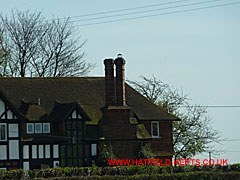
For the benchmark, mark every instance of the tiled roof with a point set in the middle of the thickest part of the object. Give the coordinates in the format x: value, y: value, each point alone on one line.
x: 88, y: 92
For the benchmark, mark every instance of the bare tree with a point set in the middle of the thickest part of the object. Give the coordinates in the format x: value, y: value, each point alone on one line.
x: 42, y: 48
x: 4, y: 53
x: 193, y: 134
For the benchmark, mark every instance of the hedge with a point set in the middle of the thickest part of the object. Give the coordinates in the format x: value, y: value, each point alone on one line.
x: 13, y: 174
x: 201, y: 175
x: 114, y: 171
x: 127, y: 170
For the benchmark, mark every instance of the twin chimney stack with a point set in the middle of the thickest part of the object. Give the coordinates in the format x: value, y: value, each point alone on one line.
x: 115, y: 88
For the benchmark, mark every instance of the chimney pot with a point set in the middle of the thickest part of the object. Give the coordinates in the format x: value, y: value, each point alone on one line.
x: 119, y: 55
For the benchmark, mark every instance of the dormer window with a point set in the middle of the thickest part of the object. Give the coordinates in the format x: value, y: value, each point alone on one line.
x: 46, y: 127
x: 38, y: 128
x: 30, y: 128
x: 155, y: 129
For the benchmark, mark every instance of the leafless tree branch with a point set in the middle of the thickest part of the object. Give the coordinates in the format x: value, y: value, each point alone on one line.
x: 41, y: 48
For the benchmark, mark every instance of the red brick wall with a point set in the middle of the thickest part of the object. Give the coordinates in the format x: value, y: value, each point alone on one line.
x: 164, y: 143
x: 116, y: 128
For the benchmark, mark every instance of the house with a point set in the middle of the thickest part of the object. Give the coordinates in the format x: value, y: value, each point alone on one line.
x: 51, y: 122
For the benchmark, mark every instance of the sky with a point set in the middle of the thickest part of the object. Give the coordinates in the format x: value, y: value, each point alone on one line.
x: 196, y: 50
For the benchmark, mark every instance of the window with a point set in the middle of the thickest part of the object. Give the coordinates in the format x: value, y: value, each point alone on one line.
x: 3, y: 150
x: 155, y: 129
x: 40, y: 151
x: 13, y: 149
x: 13, y: 130
x: 47, y: 151
x: 26, y: 152
x: 38, y: 127
x: 30, y: 128
x: 74, y: 114
x: 46, y: 127
x: 94, y: 149
x: 34, y: 151
x: 26, y: 166
x: 55, y: 151
x: 10, y: 114
x: 3, y: 132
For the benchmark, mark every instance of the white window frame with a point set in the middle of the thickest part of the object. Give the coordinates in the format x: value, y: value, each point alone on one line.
x: 49, y: 126
x: 5, y: 124
x: 157, y: 129
x: 29, y: 132
x: 40, y: 132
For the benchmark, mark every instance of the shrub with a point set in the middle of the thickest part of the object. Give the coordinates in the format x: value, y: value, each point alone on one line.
x: 105, y: 153
x: 145, y: 152
x: 15, y: 174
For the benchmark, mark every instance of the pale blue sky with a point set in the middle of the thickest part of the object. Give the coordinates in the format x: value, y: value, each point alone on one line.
x: 198, y: 50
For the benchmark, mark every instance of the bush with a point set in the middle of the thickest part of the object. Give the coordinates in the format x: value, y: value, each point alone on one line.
x: 15, y: 174
x: 145, y: 152
x: 105, y: 153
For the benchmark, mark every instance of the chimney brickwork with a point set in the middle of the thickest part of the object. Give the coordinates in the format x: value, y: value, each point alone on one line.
x: 109, y: 82
x: 115, y: 125
x: 120, y: 81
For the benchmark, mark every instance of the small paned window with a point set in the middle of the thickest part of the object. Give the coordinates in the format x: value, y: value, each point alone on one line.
x: 40, y: 151
x: 38, y: 128
x: 30, y: 128
x: 46, y: 127
x: 155, y: 129
x: 34, y: 151
x: 55, y: 151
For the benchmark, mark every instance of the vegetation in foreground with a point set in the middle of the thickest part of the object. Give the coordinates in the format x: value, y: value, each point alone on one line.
x: 128, y: 172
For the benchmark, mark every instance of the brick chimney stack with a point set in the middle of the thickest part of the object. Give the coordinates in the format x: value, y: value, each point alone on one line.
x: 120, y: 81
x: 109, y: 82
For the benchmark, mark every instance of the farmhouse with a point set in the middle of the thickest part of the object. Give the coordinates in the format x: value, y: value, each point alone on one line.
x: 61, y: 121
